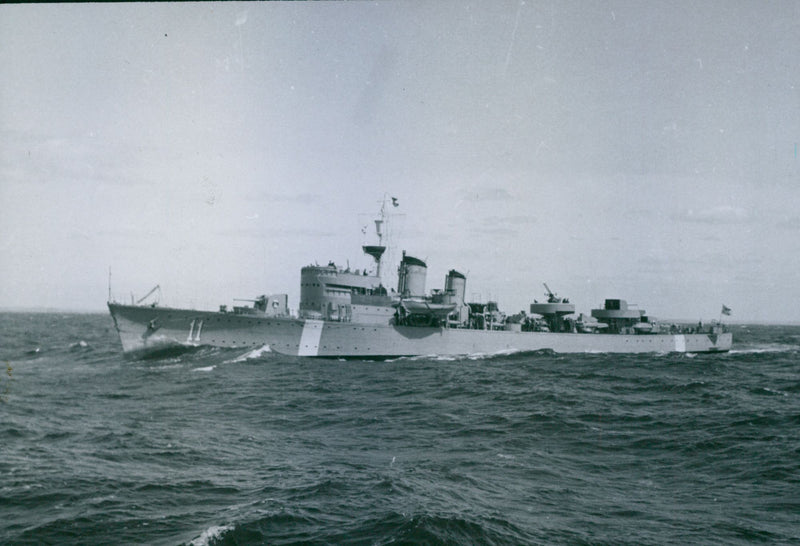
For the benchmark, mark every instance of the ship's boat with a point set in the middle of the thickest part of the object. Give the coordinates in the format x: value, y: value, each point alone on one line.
x: 588, y: 325
x: 346, y: 313
x: 424, y: 307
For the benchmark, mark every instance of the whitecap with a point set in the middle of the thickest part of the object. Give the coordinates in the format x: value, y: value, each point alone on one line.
x: 206, y: 369
x: 766, y: 348
x: 499, y: 352
x: 773, y: 391
x: 255, y: 353
x: 212, y: 533
x: 443, y: 358
x: 173, y: 364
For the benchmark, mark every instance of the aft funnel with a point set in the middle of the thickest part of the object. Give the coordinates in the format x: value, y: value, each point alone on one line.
x: 455, y: 286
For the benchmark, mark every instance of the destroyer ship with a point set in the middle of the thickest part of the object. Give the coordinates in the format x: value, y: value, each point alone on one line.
x: 346, y: 313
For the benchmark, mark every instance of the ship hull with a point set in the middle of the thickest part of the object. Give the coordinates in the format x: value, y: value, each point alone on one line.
x: 150, y: 329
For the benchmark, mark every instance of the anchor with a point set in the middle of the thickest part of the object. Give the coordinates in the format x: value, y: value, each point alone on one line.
x: 152, y: 326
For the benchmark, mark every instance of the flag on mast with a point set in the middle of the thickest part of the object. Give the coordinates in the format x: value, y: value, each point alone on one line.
x: 726, y: 310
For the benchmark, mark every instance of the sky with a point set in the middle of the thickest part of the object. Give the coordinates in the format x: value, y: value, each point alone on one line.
x: 612, y: 149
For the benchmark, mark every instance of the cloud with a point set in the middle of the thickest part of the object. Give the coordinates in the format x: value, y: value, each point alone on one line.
x: 518, y: 220
x: 58, y: 161
x: 487, y: 194
x: 715, y: 215
x: 502, y: 225
x: 132, y: 232
x: 276, y: 232
x: 792, y: 222
x: 495, y: 231
x: 271, y: 197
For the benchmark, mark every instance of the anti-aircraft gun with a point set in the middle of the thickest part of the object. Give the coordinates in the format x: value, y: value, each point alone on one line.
x: 553, y: 297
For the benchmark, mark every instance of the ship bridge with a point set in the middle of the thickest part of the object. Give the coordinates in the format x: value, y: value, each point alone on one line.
x: 332, y: 293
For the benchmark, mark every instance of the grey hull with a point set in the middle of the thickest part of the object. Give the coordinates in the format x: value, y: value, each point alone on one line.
x: 145, y: 329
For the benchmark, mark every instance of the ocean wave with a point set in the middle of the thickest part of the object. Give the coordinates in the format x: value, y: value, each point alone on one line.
x: 211, y: 535
x: 522, y: 448
x: 387, y: 528
x: 164, y: 353
x: 766, y: 348
x: 171, y: 364
x: 79, y: 345
x: 183, y: 355
x: 766, y: 391
x: 251, y: 355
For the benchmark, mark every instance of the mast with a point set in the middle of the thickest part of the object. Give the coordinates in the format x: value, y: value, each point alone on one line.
x: 376, y: 251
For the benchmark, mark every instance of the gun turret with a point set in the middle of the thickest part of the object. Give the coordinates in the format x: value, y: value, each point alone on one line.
x: 272, y: 305
x: 260, y: 302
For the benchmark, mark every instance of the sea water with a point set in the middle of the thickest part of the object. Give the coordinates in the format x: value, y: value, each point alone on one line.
x: 224, y: 446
